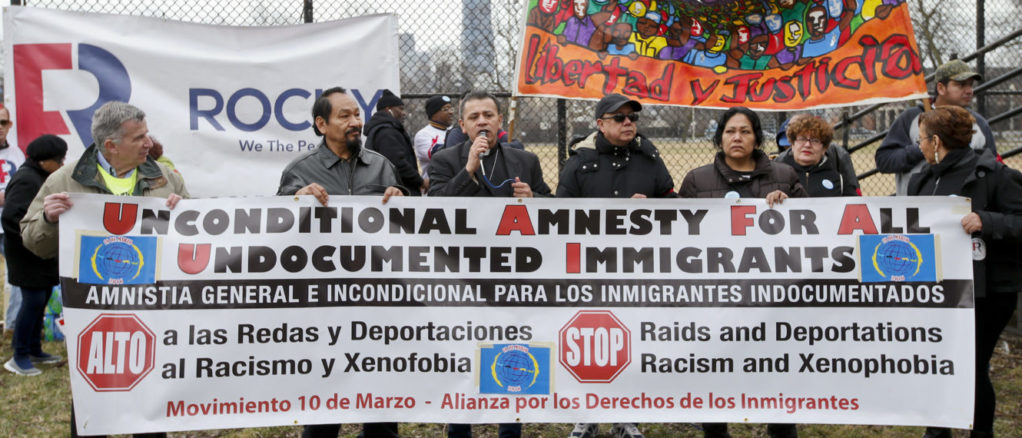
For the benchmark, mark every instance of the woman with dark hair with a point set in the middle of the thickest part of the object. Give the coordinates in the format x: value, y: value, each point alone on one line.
x: 810, y: 154
x: 995, y: 224
x: 741, y: 169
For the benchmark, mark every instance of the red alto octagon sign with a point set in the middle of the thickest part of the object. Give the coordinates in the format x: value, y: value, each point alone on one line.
x: 115, y: 352
x: 595, y: 346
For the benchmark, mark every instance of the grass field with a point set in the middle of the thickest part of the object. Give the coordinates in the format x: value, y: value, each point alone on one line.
x: 39, y: 407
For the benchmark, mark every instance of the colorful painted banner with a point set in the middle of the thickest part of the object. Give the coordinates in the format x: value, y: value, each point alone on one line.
x: 230, y: 104
x: 767, y: 55
x: 279, y: 311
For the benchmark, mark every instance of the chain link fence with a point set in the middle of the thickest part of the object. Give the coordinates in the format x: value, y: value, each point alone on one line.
x: 450, y: 46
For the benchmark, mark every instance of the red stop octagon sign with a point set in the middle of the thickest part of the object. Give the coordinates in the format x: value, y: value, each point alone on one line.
x: 595, y: 346
x: 115, y: 352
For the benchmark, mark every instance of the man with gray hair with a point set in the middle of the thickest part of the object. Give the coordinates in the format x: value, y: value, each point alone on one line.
x: 117, y: 162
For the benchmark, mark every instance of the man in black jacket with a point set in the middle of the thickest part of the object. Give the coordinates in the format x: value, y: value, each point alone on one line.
x: 483, y: 166
x: 385, y: 133
x: 35, y: 276
x: 615, y: 161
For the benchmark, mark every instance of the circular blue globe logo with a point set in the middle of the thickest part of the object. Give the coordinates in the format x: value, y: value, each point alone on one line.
x: 897, y: 258
x: 515, y: 368
x: 117, y: 259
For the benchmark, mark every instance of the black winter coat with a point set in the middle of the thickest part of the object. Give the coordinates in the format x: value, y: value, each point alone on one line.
x: 717, y: 179
x: 24, y: 268
x: 996, y: 192
x: 386, y: 135
x: 598, y: 169
x: 821, y: 179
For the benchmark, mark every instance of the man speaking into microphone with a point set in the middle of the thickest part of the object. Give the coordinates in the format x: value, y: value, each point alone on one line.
x: 482, y: 166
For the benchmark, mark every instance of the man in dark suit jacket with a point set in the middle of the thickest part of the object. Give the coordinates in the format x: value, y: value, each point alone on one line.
x: 482, y: 166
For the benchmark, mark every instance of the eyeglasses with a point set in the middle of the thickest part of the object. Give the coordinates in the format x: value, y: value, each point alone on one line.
x: 927, y: 138
x: 620, y: 118
x: 812, y: 141
x: 5, y: 123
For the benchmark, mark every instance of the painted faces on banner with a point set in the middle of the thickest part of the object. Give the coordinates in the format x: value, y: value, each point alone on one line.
x: 620, y: 33
x: 718, y: 42
x: 792, y: 33
x: 773, y: 23
x: 697, y: 28
x: 638, y: 9
x: 742, y: 33
x: 816, y: 22
x: 548, y: 6
x: 835, y: 8
x: 646, y: 27
x: 579, y: 8
x: 757, y: 47
x: 805, y: 54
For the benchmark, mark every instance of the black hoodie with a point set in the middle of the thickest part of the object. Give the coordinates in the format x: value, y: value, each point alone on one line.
x: 386, y: 135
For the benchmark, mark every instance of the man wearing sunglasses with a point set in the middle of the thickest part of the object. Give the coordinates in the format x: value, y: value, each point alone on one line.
x: 481, y: 165
x: 11, y: 158
x: 615, y: 161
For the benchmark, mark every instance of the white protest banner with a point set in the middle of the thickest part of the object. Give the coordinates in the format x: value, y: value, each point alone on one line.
x: 277, y: 311
x: 231, y: 105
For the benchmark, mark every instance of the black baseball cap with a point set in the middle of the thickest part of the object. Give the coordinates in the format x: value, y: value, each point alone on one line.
x: 612, y: 102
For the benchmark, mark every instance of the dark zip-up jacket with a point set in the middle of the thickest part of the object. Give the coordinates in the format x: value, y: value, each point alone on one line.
x: 821, y: 179
x: 598, y: 169
x: 996, y: 193
x: 841, y: 160
x: 717, y: 179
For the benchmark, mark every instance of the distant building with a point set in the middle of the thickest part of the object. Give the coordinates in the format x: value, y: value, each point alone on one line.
x: 417, y: 75
x: 477, y: 44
